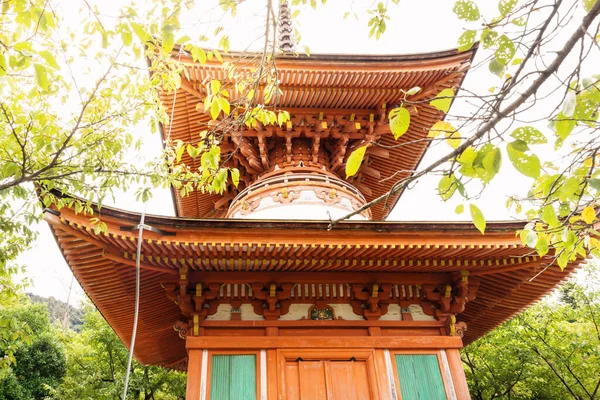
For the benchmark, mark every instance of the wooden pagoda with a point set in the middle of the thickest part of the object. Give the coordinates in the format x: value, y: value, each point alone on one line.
x: 257, y: 298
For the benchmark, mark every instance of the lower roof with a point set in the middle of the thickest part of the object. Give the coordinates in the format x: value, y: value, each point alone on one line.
x: 511, y: 276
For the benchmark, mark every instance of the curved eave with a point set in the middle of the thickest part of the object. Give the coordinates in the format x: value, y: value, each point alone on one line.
x: 341, y: 82
x: 104, y: 265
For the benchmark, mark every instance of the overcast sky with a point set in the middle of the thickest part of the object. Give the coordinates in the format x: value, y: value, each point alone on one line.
x: 416, y: 26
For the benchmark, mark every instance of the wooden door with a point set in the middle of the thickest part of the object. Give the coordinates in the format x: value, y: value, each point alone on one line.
x: 327, y: 380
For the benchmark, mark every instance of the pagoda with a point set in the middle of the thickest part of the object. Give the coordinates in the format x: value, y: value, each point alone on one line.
x: 256, y: 296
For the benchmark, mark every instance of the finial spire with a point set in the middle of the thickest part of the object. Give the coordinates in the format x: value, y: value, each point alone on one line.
x: 287, y: 43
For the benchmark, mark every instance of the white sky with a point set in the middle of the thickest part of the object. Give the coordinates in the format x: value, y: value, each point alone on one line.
x: 416, y: 26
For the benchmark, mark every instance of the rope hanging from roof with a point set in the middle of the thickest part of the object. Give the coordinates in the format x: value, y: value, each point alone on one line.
x: 287, y: 44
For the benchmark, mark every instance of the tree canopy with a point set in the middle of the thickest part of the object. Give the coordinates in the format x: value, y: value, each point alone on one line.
x: 548, y: 352
x: 60, y: 363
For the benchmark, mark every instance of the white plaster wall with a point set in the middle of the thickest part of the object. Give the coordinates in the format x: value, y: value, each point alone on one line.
x: 416, y: 311
x: 394, y: 313
x: 224, y: 313
x: 297, y: 311
x: 345, y: 311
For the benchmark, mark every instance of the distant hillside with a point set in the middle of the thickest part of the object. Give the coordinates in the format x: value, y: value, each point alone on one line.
x: 57, y: 310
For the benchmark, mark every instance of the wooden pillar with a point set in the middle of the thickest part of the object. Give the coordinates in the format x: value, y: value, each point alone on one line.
x: 272, y: 367
x: 458, y: 374
x: 193, y: 374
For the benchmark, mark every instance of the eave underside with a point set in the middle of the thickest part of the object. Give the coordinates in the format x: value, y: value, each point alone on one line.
x: 104, y: 265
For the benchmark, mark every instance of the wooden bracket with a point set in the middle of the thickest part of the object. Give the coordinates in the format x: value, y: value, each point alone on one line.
x: 450, y: 299
x: 195, y: 303
x: 371, y: 301
x: 272, y: 300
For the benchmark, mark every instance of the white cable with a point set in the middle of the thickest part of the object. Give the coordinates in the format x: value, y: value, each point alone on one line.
x: 137, y: 300
x: 137, y: 261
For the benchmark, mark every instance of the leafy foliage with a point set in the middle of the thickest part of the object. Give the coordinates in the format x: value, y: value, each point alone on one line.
x: 90, y: 364
x: 548, y: 352
x: 97, y: 362
x: 39, y: 362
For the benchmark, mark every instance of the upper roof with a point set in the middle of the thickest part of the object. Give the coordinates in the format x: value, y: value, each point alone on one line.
x: 104, y: 263
x: 336, y: 89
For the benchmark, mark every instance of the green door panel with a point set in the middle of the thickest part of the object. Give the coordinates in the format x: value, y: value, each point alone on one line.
x: 233, y: 377
x: 420, y: 377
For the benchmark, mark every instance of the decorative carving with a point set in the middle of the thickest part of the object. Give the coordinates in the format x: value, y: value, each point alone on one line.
x: 454, y: 328
x: 286, y: 196
x: 182, y: 328
x: 329, y: 196
x: 249, y: 206
x: 321, y: 312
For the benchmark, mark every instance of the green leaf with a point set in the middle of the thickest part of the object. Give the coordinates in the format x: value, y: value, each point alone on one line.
x: 564, y: 126
x: 478, y: 218
x: 49, y: 58
x: 529, y: 135
x: 523, y: 159
x: 447, y: 186
x: 548, y: 215
x: 439, y: 128
x: 215, y: 86
x: 496, y: 67
x: 224, y: 105
x: 466, y: 10
x: 140, y: 32
x: 505, y: 51
x: 488, y: 162
x: 219, y: 183
x: 443, y: 100
x: 41, y: 76
x: 168, y: 38
x: 488, y: 38
x: 563, y: 259
x: 542, y: 247
x: 588, y: 214
x: 215, y: 109
x: 570, y: 189
x: 126, y: 37
x: 307, y: 50
x: 594, y: 183
x: 459, y: 209
x: 235, y: 176
x: 531, y: 238
x: 198, y: 54
x: 355, y: 160
x: 506, y: 6
x: 588, y: 4
x: 400, y: 122
x: 466, y: 40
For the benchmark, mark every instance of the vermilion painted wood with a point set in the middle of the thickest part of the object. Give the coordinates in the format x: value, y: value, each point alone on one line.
x: 193, y: 373
x: 458, y: 375
x: 369, y: 342
x: 98, y: 261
